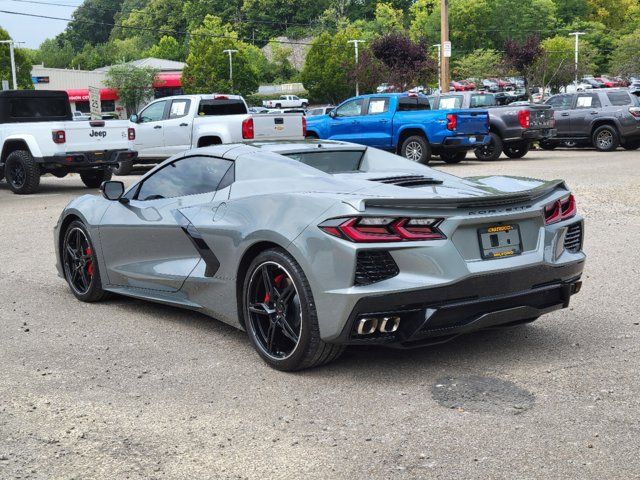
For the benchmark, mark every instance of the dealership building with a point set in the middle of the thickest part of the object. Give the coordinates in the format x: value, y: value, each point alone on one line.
x: 77, y: 82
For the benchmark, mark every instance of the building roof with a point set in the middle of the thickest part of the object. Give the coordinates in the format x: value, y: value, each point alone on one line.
x: 157, y: 63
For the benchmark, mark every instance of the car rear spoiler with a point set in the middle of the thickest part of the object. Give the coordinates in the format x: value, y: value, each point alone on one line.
x: 496, y: 200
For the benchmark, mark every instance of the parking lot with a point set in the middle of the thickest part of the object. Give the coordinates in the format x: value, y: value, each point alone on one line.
x: 128, y: 389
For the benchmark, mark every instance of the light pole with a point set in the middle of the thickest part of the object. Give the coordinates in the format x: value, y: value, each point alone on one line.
x: 13, y: 61
x: 438, y: 46
x: 355, y: 44
x: 445, y: 77
x: 577, y: 35
x: 230, y: 52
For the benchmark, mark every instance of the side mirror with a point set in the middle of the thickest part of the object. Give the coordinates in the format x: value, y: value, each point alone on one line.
x: 112, y: 190
x: 133, y: 118
x: 332, y: 114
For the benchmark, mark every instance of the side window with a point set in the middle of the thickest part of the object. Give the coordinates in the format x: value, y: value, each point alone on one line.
x: 588, y: 100
x: 352, y: 108
x: 378, y: 105
x: 423, y: 104
x: 153, y: 112
x: 560, y: 102
x: 179, y: 108
x: 619, y: 99
x: 186, y: 176
x: 448, y: 102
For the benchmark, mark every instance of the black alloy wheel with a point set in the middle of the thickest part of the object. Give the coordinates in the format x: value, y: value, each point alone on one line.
x: 78, y: 260
x: 490, y: 151
x: 516, y: 150
x: 274, y: 312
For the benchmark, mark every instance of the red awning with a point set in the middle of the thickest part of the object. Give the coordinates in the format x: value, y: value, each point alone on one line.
x: 82, y: 94
x: 168, y: 80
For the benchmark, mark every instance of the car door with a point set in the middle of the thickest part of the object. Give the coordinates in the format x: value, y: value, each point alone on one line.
x: 586, y: 108
x: 345, y: 124
x: 561, y: 111
x: 375, y: 126
x: 178, y: 126
x: 149, y: 140
x: 146, y: 243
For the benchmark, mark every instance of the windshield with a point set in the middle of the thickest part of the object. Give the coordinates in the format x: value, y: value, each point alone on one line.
x: 221, y: 107
x: 333, y: 161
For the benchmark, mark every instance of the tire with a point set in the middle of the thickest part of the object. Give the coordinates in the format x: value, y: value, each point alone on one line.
x: 305, y: 105
x: 123, y: 168
x: 547, y: 145
x: 605, y: 138
x: 453, y: 157
x: 94, y: 179
x: 312, y: 135
x: 287, y: 340
x: 516, y: 149
x: 491, y: 151
x: 80, y: 267
x: 22, y: 172
x: 1, y: 173
x: 416, y: 148
x: 278, y: 105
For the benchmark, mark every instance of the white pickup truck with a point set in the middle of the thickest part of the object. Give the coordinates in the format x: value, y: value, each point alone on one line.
x: 286, y: 101
x: 38, y: 136
x: 172, y: 125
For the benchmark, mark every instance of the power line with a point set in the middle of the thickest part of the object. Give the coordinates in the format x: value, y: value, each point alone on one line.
x: 47, y: 3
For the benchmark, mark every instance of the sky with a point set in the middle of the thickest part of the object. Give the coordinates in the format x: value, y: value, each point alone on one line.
x: 31, y: 30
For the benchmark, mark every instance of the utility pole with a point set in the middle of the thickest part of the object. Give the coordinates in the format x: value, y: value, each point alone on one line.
x: 12, y: 44
x: 438, y: 46
x: 445, y: 78
x: 577, y: 35
x: 355, y: 44
x: 230, y: 52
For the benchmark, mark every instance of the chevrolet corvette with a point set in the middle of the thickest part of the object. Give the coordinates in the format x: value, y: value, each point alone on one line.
x: 316, y: 245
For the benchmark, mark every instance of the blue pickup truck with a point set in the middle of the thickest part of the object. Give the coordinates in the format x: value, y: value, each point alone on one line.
x: 404, y: 123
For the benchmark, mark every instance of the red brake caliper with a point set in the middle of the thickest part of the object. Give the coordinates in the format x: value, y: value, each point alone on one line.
x: 277, y: 281
x: 89, y: 263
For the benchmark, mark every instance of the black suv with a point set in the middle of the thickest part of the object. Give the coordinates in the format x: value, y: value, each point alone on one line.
x: 604, y: 119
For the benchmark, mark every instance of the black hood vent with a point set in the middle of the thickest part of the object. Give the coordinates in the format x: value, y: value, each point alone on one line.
x: 408, y: 181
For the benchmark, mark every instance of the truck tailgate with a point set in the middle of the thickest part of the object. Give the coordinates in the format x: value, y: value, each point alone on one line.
x: 541, y: 116
x: 471, y: 122
x: 278, y: 126
x: 96, y: 136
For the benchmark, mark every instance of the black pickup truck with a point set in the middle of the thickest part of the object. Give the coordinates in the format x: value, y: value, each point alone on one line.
x: 512, y: 127
x: 603, y: 118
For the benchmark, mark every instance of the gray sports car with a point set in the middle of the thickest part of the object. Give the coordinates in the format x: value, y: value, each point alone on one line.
x: 315, y: 245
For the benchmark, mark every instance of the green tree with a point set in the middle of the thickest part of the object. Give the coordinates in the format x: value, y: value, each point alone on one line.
x: 326, y: 70
x: 554, y: 67
x: 480, y: 63
x: 91, y: 23
x: 570, y: 11
x: 168, y: 48
x: 134, y: 84
x: 387, y: 19
x: 23, y: 65
x: 155, y: 20
x: 55, y: 53
x: 611, y: 13
x: 194, y: 11
x: 208, y: 66
x: 626, y: 56
x: 281, y: 66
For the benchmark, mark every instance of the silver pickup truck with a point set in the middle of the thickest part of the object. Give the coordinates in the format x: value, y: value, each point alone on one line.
x: 38, y: 136
x: 512, y: 127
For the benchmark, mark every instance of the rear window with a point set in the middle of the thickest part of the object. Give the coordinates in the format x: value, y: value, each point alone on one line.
x: 330, y: 161
x: 479, y: 101
x: 619, y: 99
x: 221, y: 107
x: 38, y: 108
x: 411, y: 104
x: 448, y: 102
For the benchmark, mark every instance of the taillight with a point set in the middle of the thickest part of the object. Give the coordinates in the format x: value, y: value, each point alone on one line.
x: 635, y: 111
x: 247, y: 128
x: 304, y: 126
x: 221, y: 97
x: 59, y: 136
x: 131, y: 133
x: 383, y: 229
x: 559, y: 210
x: 452, y: 121
x: 524, y: 117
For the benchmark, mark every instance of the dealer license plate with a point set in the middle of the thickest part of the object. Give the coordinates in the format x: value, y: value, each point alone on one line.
x: 500, y: 241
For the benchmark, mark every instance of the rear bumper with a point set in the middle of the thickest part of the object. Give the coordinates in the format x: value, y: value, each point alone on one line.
x: 87, y: 159
x: 464, y: 142
x: 540, y: 133
x: 439, y: 314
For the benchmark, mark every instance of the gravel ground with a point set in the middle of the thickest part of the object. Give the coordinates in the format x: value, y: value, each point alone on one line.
x: 127, y: 389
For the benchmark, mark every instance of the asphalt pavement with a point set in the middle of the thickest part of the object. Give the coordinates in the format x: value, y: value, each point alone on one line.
x: 128, y: 389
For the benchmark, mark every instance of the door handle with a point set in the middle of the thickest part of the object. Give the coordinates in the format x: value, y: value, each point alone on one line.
x: 593, y: 113
x: 157, y: 127
x: 184, y: 124
x: 384, y: 121
x: 564, y: 114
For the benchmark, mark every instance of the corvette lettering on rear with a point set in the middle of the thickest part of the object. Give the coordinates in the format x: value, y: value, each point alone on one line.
x: 500, y: 210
